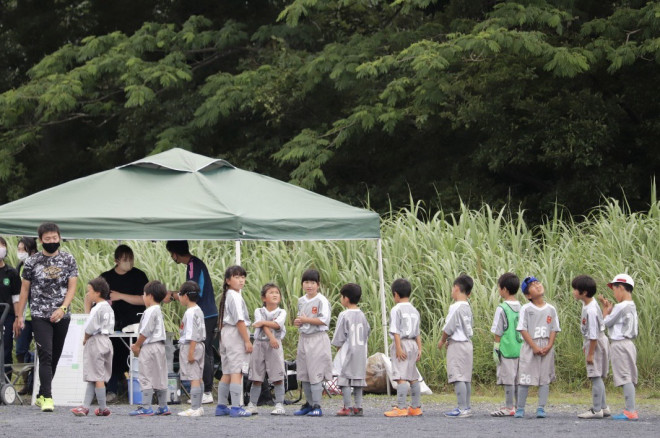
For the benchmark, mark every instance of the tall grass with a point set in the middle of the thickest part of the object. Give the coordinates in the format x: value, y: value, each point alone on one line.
x: 431, y: 252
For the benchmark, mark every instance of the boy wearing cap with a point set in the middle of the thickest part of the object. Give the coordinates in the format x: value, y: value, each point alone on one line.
x: 622, y: 324
x: 594, y: 346
x: 538, y: 324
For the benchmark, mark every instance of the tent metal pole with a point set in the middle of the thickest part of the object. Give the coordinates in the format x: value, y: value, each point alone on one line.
x: 238, y: 252
x: 383, y: 304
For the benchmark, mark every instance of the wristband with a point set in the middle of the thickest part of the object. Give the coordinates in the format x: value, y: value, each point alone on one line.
x: 64, y: 309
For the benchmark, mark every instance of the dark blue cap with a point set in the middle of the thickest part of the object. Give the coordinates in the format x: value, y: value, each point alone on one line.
x: 526, y: 282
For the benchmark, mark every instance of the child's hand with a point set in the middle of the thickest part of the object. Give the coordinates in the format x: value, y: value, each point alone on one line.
x: 191, y: 356
x: 298, y: 321
x: 135, y: 349
x: 401, y: 355
x: 537, y: 350
x: 590, y: 359
x: 274, y: 344
x: 419, y: 355
x: 440, y: 345
x: 248, y: 347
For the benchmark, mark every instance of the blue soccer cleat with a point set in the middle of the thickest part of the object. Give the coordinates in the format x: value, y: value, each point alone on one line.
x: 238, y: 411
x: 315, y: 412
x: 141, y: 412
x: 304, y: 409
x: 222, y: 410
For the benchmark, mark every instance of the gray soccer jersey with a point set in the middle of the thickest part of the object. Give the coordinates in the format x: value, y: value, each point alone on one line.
x: 317, y: 307
x: 351, y: 335
x: 591, y: 321
x: 152, y: 326
x: 500, y: 323
x: 404, y: 321
x: 192, y: 326
x: 278, y: 315
x: 101, y: 320
x: 538, y: 321
x: 622, y: 323
x: 458, y: 324
x: 235, y: 309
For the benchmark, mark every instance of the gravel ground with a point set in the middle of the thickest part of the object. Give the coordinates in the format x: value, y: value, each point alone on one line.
x: 22, y: 421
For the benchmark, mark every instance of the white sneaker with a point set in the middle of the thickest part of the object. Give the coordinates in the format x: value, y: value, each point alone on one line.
x: 192, y: 412
x: 251, y: 408
x: 607, y: 412
x: 279, y: 410
x: 591, y: 414
x: 207, y: 398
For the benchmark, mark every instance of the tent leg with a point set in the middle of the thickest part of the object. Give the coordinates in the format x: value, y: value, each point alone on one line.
x: 383, y: 304
x: 238, y: 252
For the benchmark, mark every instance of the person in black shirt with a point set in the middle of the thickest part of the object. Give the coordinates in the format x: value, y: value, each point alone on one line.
x: 126, y: 286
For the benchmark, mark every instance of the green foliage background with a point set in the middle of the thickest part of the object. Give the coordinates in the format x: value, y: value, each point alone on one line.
x: 431, y: 252
x: 527, y: 102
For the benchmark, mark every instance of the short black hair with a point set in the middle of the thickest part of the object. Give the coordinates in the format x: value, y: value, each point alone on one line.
x: 123, y: 250
x: 48, y: 227
x: 464, y: 283
x: 311, y: 275
x: 626, y: 286
x: 351, y: 291
x: 156, y: 289
x: 584, y: 283
x: 267, y: 287
x: 191, y: 289
x: 402, y: 287
x: 179, y: 247
x: 3, y: 242
x: 101, y: 286
x: 510, y: 282
x: 29, y: 243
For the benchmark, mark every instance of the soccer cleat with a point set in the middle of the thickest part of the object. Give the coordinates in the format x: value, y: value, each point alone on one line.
x: 414, y: 412
x: 607, y: 412
x: 163, y: 410
x: 39, y: 401
x: 591, y: 414
x: 141, y: 412
x: 358, y: 412
x: 304, y: 409
x: 192, y: 412
x: 102, y: 412
x: 237, y: 411
x: 396, y: 412
x: 47, y: 405
x: 207, y: 398
x: 626, y: 416
x: 344, y: 412
x: 503, y: 412
x: 520, y: 413
x: 458, y: 413
x: 80, y: 411
x: 252, y: 408
x: 315, y: 412
x: 279, y: 410
x: 222, y: 410
x: 540, y: 413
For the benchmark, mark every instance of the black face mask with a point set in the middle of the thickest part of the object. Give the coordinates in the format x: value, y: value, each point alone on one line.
x: 50, y: 247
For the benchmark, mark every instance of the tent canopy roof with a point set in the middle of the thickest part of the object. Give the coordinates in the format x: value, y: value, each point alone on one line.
x: 182, y: 195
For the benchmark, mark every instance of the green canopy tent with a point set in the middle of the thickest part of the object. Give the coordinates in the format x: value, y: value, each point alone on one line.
x: 181, y: 195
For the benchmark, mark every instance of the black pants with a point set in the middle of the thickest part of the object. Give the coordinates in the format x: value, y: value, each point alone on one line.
x: 49, y: 337
x: 207, y: 377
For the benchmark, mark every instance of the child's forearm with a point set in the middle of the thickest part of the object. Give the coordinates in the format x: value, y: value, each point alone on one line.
x: 242, y: 330
x: 419, y: 342
x: 592, y: 346
x: 270, y: 324
x: 397, y: 341
x: 312, y: 321
x: 498, y: 338
x: 269, y: 333
x: 551, y: 342
x: 140, y: 341
x: 528, y: 339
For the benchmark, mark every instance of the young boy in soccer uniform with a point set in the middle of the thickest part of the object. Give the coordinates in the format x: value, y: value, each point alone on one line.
x: 538, y: 324
x: 150, y: 349
x: 456, y: 334
x: 267, y: 356
x: 351, y: 335
x: 622, y: 324
x: 594, y: 346
x: 191, y: 346
x: 97, y: 356
x: 508, y: 341
x: 313, y: 360
x: 405, y: 352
